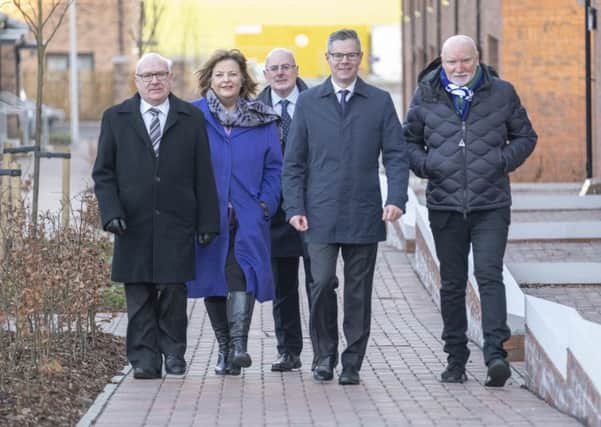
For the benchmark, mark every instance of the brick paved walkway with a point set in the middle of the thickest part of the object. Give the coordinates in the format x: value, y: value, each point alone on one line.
x: 398, y: 387
x: 586, y: 299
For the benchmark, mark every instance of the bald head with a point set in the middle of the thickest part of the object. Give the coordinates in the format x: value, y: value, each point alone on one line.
x: 458, y: 41
x: 281, y: 71
x: 460, y: 59
x: 153, y: 57
x: 279, y: 52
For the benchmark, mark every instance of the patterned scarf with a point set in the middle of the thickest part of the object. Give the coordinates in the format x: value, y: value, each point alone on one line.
x: 461, y: 95
x: 248, y: 113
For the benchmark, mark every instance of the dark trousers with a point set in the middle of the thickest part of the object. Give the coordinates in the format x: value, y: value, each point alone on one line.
x: 286, y: 305
x: 359, y: 265
x: 234, y: 276
x: 453, y: 233
x: 157, y: 322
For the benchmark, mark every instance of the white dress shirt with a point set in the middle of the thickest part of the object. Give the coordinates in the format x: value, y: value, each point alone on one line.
x: 147, y: 115
x: 350, y: 88
x: 292, y: 98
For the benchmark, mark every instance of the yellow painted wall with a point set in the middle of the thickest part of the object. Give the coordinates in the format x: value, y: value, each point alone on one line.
x: 195, y: 28
x: 310, y: 56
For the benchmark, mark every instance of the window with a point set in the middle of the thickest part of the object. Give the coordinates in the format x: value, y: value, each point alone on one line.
x: 57, y: 62
x: 60, y: 61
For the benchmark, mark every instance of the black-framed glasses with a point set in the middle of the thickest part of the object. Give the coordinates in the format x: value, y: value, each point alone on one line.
x: 147, y: 77
x: 351, y: 56
x: 284, y: 67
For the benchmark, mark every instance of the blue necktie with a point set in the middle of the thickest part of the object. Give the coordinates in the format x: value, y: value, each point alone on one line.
x: 343, y: 93
x: 286, y: 120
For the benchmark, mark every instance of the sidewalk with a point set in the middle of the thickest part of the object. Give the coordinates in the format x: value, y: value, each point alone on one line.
x: 399, y: 378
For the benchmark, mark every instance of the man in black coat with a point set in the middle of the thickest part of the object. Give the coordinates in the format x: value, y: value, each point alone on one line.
x: 156, y: 191
x: 466, y: 131
x: 281, y: 72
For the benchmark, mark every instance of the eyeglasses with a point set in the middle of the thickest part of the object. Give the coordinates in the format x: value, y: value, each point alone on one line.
x: 284, y: 67
x: 351, y: 56
x: 147, y: 77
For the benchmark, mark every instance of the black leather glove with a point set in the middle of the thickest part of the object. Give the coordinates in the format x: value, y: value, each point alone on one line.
x: 205, y: 238
x: 116, y: 226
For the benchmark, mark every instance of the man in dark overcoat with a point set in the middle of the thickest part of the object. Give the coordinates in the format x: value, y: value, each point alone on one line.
x: 281, y: 72
x: 156, y: 191
x: 331, y: 191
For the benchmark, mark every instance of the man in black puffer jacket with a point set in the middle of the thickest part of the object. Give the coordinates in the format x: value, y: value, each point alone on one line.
x: 466, y: 130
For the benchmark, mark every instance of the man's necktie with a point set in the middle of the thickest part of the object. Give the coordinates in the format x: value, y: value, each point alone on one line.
x: 286, y: 120
x: 155, y: 131
x: 343, y: 93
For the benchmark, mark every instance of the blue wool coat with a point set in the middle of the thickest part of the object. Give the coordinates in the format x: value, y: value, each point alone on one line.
x: 247, y: 165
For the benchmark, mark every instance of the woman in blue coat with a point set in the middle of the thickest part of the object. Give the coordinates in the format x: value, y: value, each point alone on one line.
x: 233, y: 269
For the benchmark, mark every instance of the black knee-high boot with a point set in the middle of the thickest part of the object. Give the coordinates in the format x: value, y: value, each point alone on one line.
x: 217, y: 311
x: 239, y: 313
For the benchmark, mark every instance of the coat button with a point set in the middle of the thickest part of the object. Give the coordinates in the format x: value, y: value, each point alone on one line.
x: 157, y: 178
x: 157, y: 212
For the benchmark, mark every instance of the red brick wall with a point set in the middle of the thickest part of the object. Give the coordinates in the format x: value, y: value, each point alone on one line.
x: 98, y: 24
x: 542, y: 54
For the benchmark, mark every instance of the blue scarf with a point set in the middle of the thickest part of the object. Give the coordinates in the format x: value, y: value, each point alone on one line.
x: 461, y: 95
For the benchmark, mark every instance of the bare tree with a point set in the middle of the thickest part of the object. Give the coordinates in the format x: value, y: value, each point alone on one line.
x: 151, y: 12
x: 43, y: 17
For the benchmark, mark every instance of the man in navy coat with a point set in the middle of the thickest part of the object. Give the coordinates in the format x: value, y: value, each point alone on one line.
x: 331, y: 192
x: 154, y: 183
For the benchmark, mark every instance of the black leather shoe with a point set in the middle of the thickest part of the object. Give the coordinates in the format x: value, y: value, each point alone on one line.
x: 324, y: 369
x: 146, y: 374
x: 175, y: 365
x: 454, y: 373
x: 286, y: 362
x: 349, y: 376
x: 498, y: 373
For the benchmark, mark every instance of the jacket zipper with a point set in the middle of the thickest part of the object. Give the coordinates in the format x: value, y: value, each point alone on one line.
x: 464, y: 152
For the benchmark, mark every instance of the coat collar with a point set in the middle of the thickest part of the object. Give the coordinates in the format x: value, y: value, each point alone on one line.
x: 132, y: 106
x: 326, y: 88
x: 265, y: 95
x: 214, y: 123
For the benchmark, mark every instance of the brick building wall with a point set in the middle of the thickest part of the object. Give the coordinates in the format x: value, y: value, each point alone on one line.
x: 543, y: 56
x: 105, y: 29
x: 106, y: 46
x: 537, y: 46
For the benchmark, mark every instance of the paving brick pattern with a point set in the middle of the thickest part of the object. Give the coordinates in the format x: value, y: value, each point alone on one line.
x: 553, y: 251
x: 398, y: 387
x: 585, y: 299
x: 556, y: 216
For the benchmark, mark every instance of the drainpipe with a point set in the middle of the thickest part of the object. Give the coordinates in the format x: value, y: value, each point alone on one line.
x: 589, y: 27
x: 590, y: 24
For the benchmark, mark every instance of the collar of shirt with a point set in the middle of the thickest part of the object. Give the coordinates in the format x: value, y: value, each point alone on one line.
x: 292, y: 98
x: 163, y: 108
x: 350, y: 88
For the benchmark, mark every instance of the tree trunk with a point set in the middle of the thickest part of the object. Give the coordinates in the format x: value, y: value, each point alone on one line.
x: 41, y: 50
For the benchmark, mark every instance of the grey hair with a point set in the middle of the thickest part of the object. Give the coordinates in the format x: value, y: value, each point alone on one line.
x: 153, y: 55
x: 278, y: 50
x: 344, y: 34
x: 459, y: 38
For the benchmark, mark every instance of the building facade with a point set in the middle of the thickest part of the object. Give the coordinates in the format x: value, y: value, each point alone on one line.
x: 107, y: 35
x: 540, y: 48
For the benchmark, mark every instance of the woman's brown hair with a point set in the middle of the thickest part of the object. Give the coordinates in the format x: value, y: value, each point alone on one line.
x: 249, y: 86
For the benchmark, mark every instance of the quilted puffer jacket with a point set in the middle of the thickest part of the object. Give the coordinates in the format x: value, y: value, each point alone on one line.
x: 467, y: 163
